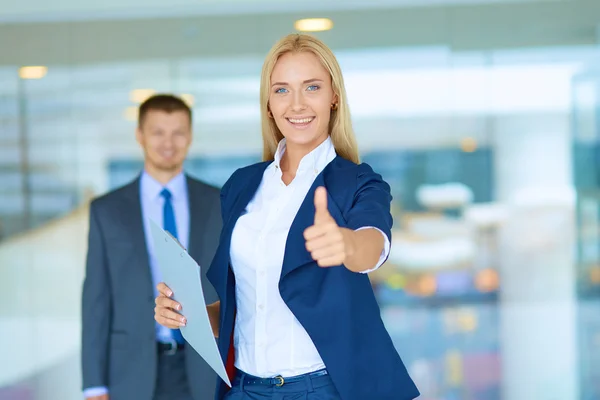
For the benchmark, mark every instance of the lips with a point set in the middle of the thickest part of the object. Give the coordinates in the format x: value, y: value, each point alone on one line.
x: 300, y: 122
x: 167, y: 154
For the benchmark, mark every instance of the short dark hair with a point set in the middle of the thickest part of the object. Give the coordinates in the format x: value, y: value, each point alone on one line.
x: 163, y: 102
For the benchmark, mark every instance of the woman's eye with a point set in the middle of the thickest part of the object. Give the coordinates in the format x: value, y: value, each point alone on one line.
x: 281, y: 90
x: 313, y: 87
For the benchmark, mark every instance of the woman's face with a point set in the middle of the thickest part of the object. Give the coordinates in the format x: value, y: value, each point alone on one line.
x: 301, y: 96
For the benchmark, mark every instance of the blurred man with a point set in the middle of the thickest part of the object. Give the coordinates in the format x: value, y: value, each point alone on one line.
x: 126, y: 355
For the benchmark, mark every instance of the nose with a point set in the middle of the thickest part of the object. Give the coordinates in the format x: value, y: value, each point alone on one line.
x: 298, y: 102
x: 169, y: 139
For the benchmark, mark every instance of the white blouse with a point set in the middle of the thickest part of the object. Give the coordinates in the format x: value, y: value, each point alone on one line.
x: 268, y: 339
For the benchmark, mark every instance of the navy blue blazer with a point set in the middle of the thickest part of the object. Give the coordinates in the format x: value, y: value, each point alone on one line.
x: 337, y: 307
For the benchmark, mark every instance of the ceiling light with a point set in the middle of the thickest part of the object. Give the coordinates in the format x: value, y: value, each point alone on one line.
x: 188, y: 98
x: 33, y: 72
x: 468, y: 145
x: 313, y: 24
x: 140, y: 95
x: 131, y: 114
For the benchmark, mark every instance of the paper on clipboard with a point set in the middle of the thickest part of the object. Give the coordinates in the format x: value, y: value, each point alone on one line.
x: 182, y: 275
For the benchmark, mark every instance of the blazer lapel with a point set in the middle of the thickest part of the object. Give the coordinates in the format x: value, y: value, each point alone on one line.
x: 199, y: 213
x: 246, y: 190
x: 296, y: 254
x: 133, y: 223
x: 246, y: 193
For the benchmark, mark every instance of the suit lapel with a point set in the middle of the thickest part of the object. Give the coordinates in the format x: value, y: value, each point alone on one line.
x: 199, y: 213
x: 133, y: 223
x: 245, y: 192
x: 295, y: 249
x: 296, y: 254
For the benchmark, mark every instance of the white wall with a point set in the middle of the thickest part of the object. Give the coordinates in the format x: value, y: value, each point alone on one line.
x: 533, y: 172
x: 42, y: 273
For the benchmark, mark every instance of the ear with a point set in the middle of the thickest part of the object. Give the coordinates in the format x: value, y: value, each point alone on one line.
x: 138, y: 135
x: 190, y: 138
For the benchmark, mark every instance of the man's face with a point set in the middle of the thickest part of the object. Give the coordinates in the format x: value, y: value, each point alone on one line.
x: 165, y: 139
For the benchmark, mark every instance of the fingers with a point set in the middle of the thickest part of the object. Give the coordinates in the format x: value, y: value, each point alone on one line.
x: 169, y: 318
x: 321, y: 211
x: 166, y: 310
x: 327, y: 251
x: 323, y: 241
x: 316, y: 231
x: 333, y: 261
x: 166, y: 302
x: 326, y: 246
x: 164, y: 289
x: 336, y: 250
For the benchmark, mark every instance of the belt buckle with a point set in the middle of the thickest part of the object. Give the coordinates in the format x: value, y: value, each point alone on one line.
x: 281, y: 381
x: 173, y: 348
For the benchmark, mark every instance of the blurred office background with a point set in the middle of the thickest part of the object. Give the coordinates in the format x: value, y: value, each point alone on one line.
x: 483, y: 116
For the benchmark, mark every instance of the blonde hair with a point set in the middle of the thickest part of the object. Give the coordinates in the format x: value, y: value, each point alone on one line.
x: 340, y: 124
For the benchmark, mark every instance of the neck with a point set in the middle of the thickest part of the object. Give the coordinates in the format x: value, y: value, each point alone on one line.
x: 162, y: 176
x: 290, y: 161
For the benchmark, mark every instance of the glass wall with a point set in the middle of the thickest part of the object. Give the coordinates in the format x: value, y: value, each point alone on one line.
x: 586, y: 116
x: 492, y: 192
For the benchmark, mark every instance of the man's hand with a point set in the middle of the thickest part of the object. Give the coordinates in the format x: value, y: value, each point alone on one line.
x: 328, y: 244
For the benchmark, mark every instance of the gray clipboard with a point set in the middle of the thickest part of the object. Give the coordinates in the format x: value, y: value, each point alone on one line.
x: 182, y: 275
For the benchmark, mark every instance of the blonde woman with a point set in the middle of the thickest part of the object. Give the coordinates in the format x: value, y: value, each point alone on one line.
x: 297, y: 317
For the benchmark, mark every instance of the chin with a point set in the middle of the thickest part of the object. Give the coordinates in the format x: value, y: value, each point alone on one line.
x: 301, y: 139
x: 168, y: 166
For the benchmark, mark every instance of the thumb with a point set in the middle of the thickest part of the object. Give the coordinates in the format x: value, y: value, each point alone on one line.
x: 321, y: 211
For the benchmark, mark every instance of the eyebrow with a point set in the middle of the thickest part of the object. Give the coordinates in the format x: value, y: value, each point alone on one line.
x: 305, y: 82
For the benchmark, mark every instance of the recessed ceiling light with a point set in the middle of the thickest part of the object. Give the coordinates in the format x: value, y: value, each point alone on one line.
x: 468, y: 145
x: 188, y: 98
x: 313, y: 24
x: 131, y: 114
x: 140, y: 95
x: 33, y: 72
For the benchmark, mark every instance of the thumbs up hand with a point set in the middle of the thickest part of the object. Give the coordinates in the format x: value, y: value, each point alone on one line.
x: 325, y: 240
x: 322, y: 215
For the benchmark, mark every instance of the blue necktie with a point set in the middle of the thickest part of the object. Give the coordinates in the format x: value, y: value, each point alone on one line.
x: 170, y: 226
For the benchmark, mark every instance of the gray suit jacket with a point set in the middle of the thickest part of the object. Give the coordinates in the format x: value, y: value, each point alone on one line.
x: 118, y: 328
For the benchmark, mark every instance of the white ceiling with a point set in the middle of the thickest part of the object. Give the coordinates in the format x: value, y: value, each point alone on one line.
x: 64, y: 10
x: 495, y: 25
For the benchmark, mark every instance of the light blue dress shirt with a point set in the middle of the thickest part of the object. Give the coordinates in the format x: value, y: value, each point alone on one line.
x: 152, y: 209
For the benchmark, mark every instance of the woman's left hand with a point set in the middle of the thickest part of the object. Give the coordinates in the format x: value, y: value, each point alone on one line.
x: 328, y: 244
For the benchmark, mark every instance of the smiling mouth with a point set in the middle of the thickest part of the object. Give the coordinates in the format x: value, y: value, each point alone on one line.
x: 300, y: 121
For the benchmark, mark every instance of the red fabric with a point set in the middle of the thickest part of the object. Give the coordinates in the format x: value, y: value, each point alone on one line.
x: 229, y: 364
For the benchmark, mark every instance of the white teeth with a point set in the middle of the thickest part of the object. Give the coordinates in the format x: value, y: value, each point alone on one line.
x: 300, y: 121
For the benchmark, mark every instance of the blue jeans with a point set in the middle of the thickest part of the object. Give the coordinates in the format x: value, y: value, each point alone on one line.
x: 313, y: 386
